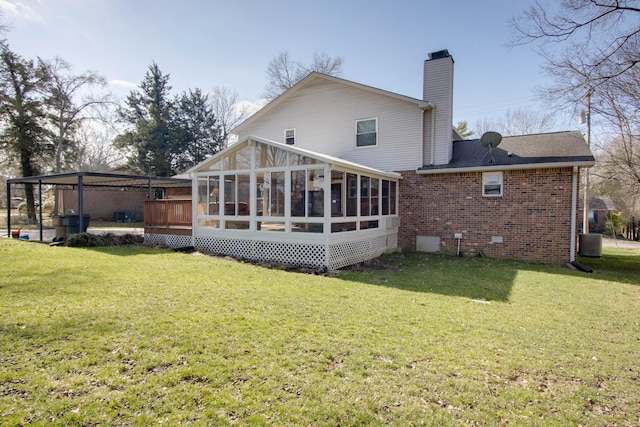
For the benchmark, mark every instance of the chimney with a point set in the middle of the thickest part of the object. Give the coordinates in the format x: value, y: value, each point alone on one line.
x: 438, y: 90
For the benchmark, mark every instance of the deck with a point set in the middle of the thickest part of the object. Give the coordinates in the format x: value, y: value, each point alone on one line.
x: 168, y: 217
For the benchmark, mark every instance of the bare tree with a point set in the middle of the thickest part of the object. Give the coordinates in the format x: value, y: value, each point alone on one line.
x: 518, y: 121
x: 586, y: 44
x: 283, y: 72
x: 95, y: 149
x: 228, y: 111
x: 70, y: 102
x: 617, y: 172
x: 592, y: 50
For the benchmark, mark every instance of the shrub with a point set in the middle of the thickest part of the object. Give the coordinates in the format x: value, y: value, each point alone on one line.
x: 88, y: 240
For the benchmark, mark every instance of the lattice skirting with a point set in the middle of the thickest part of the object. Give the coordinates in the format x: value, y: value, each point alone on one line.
x: 297, y: 254
x: 167, y: 239
x: 349, y: 253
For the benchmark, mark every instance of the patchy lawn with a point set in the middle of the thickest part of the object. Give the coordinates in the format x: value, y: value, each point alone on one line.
x: 140, y: 336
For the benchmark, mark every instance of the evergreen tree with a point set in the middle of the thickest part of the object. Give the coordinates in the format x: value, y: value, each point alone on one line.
x: 23, y: 137
x: 151, y: 141
x: 197, y: 127
x: 463, y: 129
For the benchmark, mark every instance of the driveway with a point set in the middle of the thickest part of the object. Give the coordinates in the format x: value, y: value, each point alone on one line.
x: 618, y: 243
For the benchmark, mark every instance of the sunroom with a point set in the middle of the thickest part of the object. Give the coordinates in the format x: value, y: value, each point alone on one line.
x: 266, y: 201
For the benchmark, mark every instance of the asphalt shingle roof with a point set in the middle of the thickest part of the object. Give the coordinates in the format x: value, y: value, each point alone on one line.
x: 526, y: 150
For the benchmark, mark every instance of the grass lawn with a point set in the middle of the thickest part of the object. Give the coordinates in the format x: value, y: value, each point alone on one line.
x: 135, y: 336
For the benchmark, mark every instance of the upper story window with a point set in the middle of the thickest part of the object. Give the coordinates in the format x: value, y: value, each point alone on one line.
x: 290, y: 136
x: 367, y: 132
x: 492, y: 184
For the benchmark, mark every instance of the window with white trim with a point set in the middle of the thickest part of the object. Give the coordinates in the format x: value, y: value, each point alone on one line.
x: 492, y: 184
x: 290, y: 136
x: 367, y: 132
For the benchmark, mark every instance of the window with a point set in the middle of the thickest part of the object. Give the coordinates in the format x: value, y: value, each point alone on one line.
x: 388, y: 197
x: 492, y: 184
x: 290, y: 136
x: 236, y: 195
x: 365, y: 202
x: 366, y: 133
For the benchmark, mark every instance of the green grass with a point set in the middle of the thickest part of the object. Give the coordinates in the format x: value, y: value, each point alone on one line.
x: 134, y: 336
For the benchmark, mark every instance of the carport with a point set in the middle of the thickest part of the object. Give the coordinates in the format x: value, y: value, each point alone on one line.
x: 79, y: 180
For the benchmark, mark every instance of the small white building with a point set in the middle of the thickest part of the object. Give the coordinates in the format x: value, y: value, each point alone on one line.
x: 269, y: 201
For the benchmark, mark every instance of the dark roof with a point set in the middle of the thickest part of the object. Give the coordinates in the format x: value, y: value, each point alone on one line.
x: 601, y: 204
x: 519, y: 152
x: 103, y: 179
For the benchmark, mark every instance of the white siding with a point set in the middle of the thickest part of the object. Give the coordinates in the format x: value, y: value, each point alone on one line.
x: 324, y: 114
x: 438, y: 89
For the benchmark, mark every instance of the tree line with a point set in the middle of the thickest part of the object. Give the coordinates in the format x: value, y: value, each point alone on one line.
x: 54, y: 120
x: 591, y: 50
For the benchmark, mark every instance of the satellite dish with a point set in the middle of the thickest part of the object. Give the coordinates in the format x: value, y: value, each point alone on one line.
x: 490, y: 140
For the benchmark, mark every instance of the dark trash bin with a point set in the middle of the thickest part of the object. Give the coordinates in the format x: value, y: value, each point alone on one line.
x: 72, y: 222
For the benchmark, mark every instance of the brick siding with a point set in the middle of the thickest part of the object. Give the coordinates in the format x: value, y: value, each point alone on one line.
x: 533, y: 217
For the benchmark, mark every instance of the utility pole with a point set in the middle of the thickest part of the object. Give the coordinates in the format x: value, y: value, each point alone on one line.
x: 585, y: 202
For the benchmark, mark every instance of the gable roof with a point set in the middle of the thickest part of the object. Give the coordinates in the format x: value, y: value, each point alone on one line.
x: 314, y: 76
x: 545, y: 150
x: 323, y: 158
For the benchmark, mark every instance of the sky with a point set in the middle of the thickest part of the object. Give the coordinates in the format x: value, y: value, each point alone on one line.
x: 208, y: 43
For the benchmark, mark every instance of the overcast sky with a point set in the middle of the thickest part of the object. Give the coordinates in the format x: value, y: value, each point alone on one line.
x: 208, y: 43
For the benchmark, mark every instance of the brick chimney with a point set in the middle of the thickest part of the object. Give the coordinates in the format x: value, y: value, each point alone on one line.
x: 438, y: 90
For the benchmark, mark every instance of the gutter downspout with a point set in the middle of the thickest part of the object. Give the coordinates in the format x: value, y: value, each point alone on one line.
x: 433, y: 135
x: 574, y: 212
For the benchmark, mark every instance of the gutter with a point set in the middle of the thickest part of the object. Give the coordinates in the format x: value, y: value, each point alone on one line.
x: 428, y: 106
x: 574, y: 212
x: 528, y: 166
x: 433, y: 135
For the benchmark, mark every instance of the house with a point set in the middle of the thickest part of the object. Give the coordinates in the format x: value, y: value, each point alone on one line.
x: 600, y: 209
x: 334, y: 172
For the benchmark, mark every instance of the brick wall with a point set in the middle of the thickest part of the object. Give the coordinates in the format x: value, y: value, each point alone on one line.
x: 102, y: 202
x: 533, y: 217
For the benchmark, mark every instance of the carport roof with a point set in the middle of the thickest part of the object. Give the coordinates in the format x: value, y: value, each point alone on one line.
x: 103, y: 179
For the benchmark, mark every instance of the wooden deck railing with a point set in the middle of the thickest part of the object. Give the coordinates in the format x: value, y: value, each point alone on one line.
x: 167, y: 214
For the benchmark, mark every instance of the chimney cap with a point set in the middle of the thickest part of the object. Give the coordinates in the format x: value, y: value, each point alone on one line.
x: 444, y: 53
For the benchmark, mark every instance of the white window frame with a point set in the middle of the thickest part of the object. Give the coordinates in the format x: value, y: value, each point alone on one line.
x: 293, y: 138
x: 375, y: 119
x: 489, y: 179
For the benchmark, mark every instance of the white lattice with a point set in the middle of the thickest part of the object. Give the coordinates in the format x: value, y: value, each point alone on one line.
x: 297, y: 254
x: 392, y: 241
x: 349, y: 253
x: 167, y: 239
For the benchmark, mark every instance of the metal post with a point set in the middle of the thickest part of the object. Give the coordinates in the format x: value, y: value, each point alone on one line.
x: 8, y: 209
x: 40, y: 204
x: 80, y: 207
